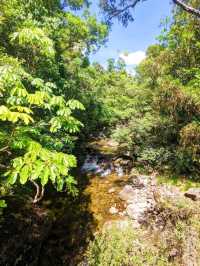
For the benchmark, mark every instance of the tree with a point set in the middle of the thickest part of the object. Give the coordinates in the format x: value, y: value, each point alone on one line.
x: 162, y: 125
x: 42, y: 51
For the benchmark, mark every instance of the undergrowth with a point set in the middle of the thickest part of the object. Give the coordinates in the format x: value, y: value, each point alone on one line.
x: 170, y: 236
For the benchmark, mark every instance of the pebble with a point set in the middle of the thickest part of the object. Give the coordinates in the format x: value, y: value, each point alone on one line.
x: 113, y: 210
x: 111, y: 190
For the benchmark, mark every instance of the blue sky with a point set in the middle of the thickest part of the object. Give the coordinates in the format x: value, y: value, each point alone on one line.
x: 137, y: 36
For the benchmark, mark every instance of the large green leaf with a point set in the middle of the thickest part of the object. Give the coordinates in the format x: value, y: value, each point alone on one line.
x: 24, y: 174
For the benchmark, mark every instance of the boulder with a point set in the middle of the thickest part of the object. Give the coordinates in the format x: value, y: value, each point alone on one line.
x: 193, y: 193
x: 136, y: 210
x: 127, y: 193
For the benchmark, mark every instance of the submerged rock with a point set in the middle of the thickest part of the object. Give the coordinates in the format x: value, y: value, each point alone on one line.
x: 112, y: 143
x: 119, y: 170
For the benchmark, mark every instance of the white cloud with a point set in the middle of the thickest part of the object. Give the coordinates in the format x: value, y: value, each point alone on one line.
x: 133, y: 58
x: 131, y: 71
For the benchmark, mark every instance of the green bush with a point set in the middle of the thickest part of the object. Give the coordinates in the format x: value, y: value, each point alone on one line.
x: 117, y: 247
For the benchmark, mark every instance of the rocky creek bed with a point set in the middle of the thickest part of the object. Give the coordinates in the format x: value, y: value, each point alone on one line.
x: 118, y: 192
x: 57, y: 231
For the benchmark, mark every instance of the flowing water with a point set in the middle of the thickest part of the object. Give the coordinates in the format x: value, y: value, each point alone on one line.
x: 105, y: 182
x: 100, y: 181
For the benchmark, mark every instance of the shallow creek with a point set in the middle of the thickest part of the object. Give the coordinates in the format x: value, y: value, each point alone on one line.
x: 77, y: 220
x: 105, y: 182
x: 57, y: 231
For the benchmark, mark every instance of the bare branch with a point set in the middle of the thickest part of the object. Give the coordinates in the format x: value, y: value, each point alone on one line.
x: 4, y: 148
x: 39, y: 194
x: 120, y: 11
x: 116, y: 11
x: 3, y: 166
x: 187, y: 8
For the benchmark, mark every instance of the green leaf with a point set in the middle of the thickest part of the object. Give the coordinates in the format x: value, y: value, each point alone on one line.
x: 12, y: 178
x: 3, y: 204
x: 53, y: 173
x: 38, y: 165
x: 44, y: 176
x: 60, y: 184
x: 24, y: 174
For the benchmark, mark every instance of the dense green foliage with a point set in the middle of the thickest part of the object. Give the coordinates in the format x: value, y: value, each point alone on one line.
x: 49, y: 90
x: 161, y: 122
x: 52, y: 99
x: 43, y: 54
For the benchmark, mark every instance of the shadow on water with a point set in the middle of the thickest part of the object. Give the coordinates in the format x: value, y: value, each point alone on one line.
x: 71, y: 231
x: 54, y: 233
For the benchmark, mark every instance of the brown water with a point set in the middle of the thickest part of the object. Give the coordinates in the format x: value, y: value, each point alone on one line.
x: 108, y: 177
x: 102, y: 200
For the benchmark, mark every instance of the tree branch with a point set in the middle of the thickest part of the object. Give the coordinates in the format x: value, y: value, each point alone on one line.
x: 3, y: 166
x: 187, y: 8
x: 120, y: 11
x: 4, y: 148
x: 39, y: 194
x: 114, y: 12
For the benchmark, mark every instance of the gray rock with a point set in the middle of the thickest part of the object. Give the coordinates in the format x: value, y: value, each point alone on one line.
x: 168, y: 191
x: 139, y: 197
x: 193, y: 193
x: 127, y: 193
x: 136, y: 211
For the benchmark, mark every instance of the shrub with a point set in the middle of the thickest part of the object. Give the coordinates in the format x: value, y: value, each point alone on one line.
x: 117, y: 247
